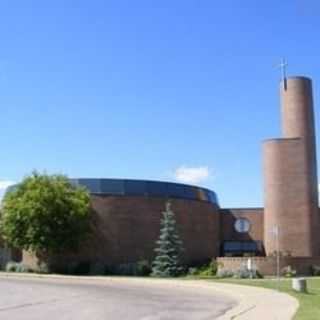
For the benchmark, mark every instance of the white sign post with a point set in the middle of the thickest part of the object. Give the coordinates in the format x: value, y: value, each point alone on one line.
x: 249, y: 266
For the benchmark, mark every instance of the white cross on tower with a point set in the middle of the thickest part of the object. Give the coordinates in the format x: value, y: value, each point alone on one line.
x: 283, y: 66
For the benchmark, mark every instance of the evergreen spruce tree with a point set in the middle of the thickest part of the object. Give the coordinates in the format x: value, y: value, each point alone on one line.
x: 167, y: 262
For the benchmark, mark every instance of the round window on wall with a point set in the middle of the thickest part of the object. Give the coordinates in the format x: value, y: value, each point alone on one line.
x: 242, y: 225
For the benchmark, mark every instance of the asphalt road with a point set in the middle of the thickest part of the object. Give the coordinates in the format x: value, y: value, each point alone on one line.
x: 45, y: 299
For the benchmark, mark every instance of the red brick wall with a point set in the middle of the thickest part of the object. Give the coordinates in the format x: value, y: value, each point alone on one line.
x: 268, y: 265
x: 129, y: 226
x: 228, y: 218
x: 287, y: 199
x: 125, y: 230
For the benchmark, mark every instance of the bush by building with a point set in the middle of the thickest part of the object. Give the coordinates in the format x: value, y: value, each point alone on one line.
x: 12, y: 266
x: 315, y: 270
x: 45, y: 215
x: 206, y: 270
x: 288, y: 272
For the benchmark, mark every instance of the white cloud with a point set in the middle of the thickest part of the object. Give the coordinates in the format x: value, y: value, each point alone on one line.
x: 192, y: 175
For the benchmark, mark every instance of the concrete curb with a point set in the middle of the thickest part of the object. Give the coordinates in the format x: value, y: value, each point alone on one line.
x: 253, y: 302
x: 258, y: 303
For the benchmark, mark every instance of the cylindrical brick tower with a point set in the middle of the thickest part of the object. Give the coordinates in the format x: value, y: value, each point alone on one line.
x: 290, y: 176
x: 298, y: 121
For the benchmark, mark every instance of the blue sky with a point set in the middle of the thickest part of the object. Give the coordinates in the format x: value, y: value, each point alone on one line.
x: 150, y: 89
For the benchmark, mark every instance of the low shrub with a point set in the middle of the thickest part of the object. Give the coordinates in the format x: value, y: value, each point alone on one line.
x: 109, y: 270
x: 43, y: 268
x: 124, y: 269
x: 143, y: 268
x: 210, y: 270
x: 140, y: 268
x: 288, y: 272
x: 207, y: 270
x: 11, y: 266
x: 315, y: 270
x: 224, y: 273
x: 79, y: 268
x: 17, y: 267
x: 60, y: 269
x: 97, y: 269
x: 193, y: 271
x: 244, y: 273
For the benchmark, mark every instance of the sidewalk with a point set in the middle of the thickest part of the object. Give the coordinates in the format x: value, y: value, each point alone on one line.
x: 253, y: 303
x: 258, y: 303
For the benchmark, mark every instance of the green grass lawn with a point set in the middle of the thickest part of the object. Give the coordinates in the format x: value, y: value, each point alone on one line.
x: 309, y: 302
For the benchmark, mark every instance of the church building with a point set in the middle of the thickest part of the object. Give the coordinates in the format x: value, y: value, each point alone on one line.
x: 127, y: 213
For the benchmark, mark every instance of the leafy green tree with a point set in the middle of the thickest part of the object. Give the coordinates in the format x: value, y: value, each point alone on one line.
x: 45, y: 214
x: 167, y: 262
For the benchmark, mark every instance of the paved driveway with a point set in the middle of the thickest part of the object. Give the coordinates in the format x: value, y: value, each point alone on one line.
x: 52, y: 299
